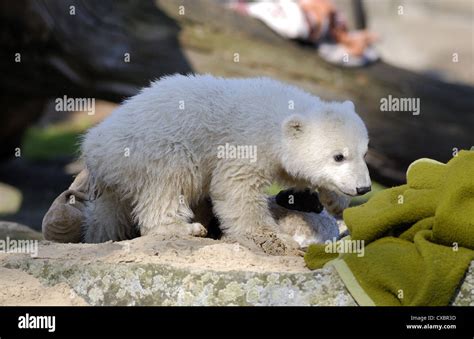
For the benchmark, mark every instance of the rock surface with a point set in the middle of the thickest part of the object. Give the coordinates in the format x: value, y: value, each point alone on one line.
x: 167, y: 270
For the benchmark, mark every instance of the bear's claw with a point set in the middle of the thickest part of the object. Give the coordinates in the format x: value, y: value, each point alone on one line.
x: 197, y: 230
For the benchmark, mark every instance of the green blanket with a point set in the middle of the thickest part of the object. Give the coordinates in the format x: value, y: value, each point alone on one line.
x: 411, y: 244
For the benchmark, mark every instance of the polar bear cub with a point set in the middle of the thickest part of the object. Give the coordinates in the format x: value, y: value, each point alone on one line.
x: 188, y: 138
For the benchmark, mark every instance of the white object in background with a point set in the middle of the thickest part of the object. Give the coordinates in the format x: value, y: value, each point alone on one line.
x: 285, y: 17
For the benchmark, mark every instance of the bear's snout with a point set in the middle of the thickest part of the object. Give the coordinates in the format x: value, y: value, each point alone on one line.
x: 363, y: 190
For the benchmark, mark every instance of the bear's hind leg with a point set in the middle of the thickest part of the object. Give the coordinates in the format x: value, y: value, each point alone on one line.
x: 108, y: 217
x: 163, y: 206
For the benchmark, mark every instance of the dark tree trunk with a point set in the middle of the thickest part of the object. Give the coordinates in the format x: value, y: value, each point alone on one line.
x: 49, y: 49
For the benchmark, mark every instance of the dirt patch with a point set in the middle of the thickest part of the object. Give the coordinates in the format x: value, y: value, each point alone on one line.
x: 21, y: 289
x: 181, y: 252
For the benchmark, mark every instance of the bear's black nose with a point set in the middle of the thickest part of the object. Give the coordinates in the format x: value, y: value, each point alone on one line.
x: 363, y: 190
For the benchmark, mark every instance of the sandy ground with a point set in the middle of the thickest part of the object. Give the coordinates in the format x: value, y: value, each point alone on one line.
x: 181, y: 252
x: 21, y: 289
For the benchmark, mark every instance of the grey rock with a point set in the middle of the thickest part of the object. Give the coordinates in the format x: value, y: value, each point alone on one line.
x: 151, y: 284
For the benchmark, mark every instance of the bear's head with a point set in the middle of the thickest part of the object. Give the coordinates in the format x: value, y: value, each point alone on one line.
x: 326, y: 148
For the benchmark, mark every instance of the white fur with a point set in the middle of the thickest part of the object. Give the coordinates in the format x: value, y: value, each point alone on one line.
x: 304, y: 228
x: 322, y: 227
x: 173, y: 164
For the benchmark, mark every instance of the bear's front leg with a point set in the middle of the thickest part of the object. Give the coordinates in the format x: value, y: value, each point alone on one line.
x: 334, y: 202
x: 243, y: 211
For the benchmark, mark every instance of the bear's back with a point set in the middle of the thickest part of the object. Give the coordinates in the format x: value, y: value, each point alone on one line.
x: 197, y: 111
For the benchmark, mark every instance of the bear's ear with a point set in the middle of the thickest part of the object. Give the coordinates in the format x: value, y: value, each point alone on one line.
x: 294, y: 126
x: 349, y: 105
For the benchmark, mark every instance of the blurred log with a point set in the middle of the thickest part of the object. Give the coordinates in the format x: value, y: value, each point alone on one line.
x: 80, y: 49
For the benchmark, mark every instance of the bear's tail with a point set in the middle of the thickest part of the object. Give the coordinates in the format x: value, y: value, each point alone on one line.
x: 108, y: 217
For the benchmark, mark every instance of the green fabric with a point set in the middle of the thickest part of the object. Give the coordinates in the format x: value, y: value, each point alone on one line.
x: 418, y: 237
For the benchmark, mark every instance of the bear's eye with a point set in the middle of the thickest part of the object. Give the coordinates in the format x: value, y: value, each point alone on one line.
x: 338, y: 157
